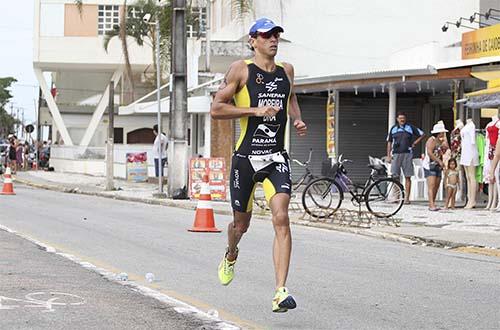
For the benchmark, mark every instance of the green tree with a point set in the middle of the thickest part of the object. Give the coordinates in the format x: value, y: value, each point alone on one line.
x: 6, y: 121
x: 144, y: 32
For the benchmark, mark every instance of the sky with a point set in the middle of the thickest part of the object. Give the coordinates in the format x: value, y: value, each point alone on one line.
x: 16, y: 53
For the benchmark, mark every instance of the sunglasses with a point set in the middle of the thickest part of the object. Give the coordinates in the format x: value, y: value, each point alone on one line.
x: 267, y: 35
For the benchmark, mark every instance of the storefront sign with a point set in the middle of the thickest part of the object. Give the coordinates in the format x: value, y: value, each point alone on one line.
x: 137, y: 166
x: 330, y: 126
x: 215, y: 168
x: 481, y: 43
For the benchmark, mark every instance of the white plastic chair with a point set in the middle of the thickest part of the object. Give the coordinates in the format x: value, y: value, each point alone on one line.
x: 418, y: 182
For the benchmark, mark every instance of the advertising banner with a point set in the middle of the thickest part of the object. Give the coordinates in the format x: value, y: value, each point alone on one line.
x: 137, y: 166
x: 481, y: 43
x: 215, y: 168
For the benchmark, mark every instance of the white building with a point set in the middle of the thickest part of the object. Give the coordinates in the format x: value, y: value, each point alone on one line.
x: 68, y: 48
x: 359, y: 49
x: 331, y: 44
x: 332, y: 37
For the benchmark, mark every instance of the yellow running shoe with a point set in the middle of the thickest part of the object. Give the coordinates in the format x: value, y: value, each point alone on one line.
x: 226, y: 269
x: 283, y: 301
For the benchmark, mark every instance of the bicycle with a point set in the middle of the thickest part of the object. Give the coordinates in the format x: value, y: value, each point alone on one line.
x: 304, y: 179
x: 383, y: 197
x: 307, y: 176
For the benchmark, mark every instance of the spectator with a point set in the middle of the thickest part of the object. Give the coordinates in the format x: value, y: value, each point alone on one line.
x: 19, y: 155
x: 433, y: 164
x: 26, y: 155
x: 401, y: 141
x: 12, y: 155
x: 452, y: 181
x: 160, y: 145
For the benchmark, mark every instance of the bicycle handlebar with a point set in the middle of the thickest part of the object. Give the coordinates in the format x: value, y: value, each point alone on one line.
x: 310, y: 155
x: 306, y: 162
x: 298, y: 162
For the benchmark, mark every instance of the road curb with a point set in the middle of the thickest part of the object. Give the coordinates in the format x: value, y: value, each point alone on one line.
x: 401, y: 238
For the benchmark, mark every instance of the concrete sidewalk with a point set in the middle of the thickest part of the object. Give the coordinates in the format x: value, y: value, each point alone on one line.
x: 456, y: 228
x: 41, y: 290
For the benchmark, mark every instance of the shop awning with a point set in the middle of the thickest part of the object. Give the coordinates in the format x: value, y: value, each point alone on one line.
x: 195, y: 104
x: 485, y: 98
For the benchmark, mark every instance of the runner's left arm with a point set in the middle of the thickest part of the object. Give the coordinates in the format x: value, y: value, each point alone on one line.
x: 293, y: 106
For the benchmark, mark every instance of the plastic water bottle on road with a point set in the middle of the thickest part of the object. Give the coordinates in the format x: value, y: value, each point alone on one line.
x: 150, y: 277
x: 213, y: 313
x: 122, y: 277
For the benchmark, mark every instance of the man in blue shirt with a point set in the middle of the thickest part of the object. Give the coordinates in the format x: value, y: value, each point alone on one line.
x: 401, y: 141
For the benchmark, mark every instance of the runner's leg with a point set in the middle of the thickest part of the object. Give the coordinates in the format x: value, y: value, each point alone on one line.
x: 282, y: 246
x: 242, y: 189
x: 235, y: 230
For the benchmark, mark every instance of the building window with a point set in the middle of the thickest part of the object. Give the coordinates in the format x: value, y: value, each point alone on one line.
x: 118, y: 135
x: 108, y: 16
x: 197, y: 24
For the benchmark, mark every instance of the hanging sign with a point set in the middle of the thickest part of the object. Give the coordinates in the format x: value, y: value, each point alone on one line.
x: 331, y: 148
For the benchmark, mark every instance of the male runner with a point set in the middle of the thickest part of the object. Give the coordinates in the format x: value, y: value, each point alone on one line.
x: 263, y: 99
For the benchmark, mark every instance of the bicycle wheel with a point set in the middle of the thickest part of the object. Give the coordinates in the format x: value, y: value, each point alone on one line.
x: 322, y: 197
x: 385, y: 197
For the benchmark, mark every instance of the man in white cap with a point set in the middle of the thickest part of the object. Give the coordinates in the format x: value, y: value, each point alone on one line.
x: 259, y: 93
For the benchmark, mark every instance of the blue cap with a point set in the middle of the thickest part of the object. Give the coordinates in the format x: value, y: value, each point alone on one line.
x: 264, y: 25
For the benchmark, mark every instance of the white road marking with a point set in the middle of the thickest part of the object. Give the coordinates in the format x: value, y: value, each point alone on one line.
x: 179, y: 306
x: 53, y: 299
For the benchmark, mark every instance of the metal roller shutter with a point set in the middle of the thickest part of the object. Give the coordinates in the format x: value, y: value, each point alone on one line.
x: 313, y: 110
x: 363, y: 128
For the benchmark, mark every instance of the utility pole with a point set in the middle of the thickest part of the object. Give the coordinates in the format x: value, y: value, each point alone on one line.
x: 178, y: 137
x: 38, y: 128
x: 17, y: 123
x: 207, y: 36
x: 160, y: 193
x: 22, y: 123
x: 111, y: 135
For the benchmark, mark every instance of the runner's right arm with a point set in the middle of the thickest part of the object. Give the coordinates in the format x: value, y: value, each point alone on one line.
x: 222, y: 105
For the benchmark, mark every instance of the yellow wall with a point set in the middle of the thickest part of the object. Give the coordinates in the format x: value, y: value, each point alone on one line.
x: 80, y: 25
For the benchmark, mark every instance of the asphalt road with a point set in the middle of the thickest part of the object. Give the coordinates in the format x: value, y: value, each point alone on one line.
x: 40, y: 290
x: 340, y: 281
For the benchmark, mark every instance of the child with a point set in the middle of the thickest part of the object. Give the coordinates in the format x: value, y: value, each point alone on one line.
x: 452, y: 180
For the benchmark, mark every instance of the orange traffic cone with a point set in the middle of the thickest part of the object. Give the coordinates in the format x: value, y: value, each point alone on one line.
x: 8, y: 188
x: 204, y: 219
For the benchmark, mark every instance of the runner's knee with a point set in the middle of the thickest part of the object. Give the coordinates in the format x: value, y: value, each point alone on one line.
x: 281, y: 220
x: 241, y: 227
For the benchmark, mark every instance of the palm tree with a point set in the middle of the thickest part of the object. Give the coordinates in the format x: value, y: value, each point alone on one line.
x: 135, y: 27
x: 123, y: 38
x: 143, y: 33
x: 241, y: 8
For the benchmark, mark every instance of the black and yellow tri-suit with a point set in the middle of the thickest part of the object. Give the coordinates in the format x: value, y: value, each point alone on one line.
x: 260, y: 151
